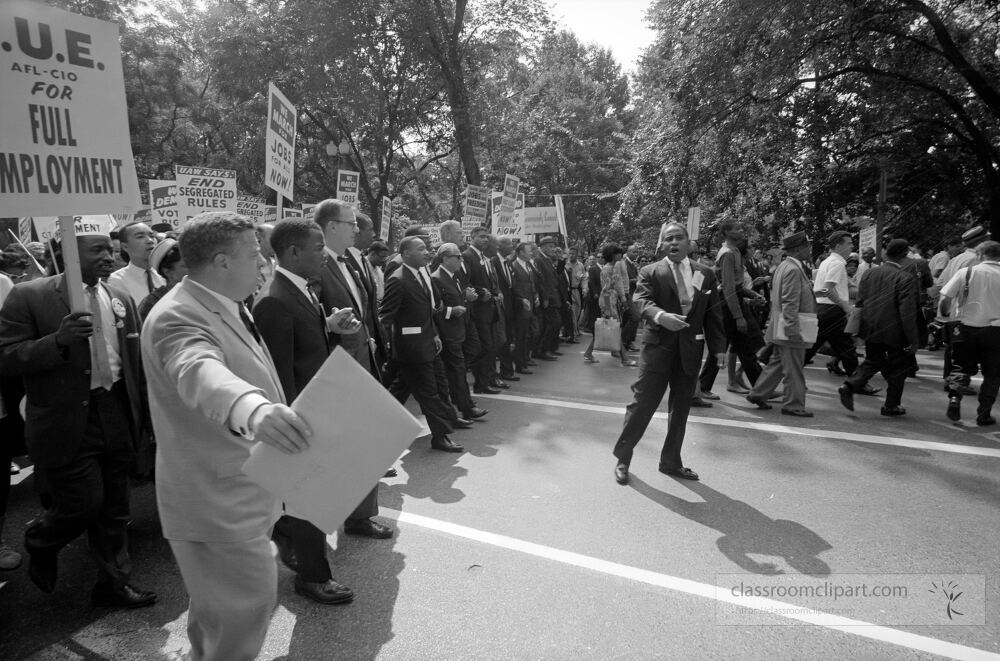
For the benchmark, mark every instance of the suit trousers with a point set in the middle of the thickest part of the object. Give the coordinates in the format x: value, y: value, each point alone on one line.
x: 745, y: 346
x: 422, y: 380
x: 893, y: 362
x: 233, y: 591
x: 522, y: 339
x: 504, y: 336
x: 832, y: 324
x: 455, y: 370
x: 485, y: 368
x: 548, y: 339
x: 788, y: 363
x: 91, y: 493
x: 647, y: 393
x: 982, y: 349
x: 309, y: 545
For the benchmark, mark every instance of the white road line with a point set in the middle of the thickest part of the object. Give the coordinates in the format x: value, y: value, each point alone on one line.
x: 786, y: 610
x: 769, y: 427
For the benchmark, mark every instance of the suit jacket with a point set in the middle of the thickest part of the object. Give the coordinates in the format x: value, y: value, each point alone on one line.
x: 480, y: 279
x: 523, y: 288
x: 548, y: 290
x: 364, y: 270
x: 335, y: 292
x: 294, y: 332
x: 656, y: 291
x: 451, y: 329
x: 407, y: 317
x: 200, y: 360
x: 57, y: 381
x: 504, y: 284
x: 791, y: 294
x: 890, y: 316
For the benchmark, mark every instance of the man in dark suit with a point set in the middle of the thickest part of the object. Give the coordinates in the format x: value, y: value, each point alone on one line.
x: 888, y: 305
x: 293, y: 325
x: 366, y: 275
x: 679, y: 302
x: 407, y: 313
x: 502, y: 255
x: 453, y: 322
x: 524, y: 303
x: 486, y: 312
x: 86, y: 411
x: 548, y: 340
x: 341, y: 288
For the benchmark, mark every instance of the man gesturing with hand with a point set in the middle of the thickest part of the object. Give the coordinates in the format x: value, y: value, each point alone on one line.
x: 213, y: 393
x: 678, y: 301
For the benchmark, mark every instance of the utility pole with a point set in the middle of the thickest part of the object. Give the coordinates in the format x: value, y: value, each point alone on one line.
x: 883, y: 180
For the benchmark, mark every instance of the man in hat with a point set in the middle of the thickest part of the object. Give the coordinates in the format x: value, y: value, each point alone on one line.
x: 791, y: 297
x: 85, y: 413
x: 679, y: 301
x: 138, y: 278
x: 888, y: 305
x: 957, y: 374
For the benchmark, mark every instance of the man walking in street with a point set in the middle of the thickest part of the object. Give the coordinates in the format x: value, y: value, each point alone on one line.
x: 832, y: 299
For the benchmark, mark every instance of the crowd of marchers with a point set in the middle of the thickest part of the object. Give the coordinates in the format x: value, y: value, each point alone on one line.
x: 194, y: 344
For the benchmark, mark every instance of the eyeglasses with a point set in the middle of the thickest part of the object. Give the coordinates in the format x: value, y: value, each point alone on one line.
x: 347, y: 222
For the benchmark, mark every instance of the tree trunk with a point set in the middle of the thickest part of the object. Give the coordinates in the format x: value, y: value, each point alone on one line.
x: 465, y: 132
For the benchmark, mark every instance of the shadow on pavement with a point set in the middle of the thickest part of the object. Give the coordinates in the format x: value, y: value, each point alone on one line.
x: 745, y: 530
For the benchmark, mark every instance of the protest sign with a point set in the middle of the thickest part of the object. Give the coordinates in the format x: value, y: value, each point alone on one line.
x: 24, y: 229
x: 204, y: 189
x: 474, y: 211
x: 347, y: 453
x: 163, y: 203
x: 540, y: 220
x: 307, y: 211
x: 347, y: 187
x: 64, y: 137
x: 386, y: 223
x: 251, y: 207
x: 270, y: 214
x: 509, y: 199
x: 496, y: 198
x: 46, y: 227
x: 561, y: 215
x: 433, y: 235
x: 867, y: 238
x: 291, y: 213
x: 694, y: 223
x: 515, y: 229
x: 279, y: 161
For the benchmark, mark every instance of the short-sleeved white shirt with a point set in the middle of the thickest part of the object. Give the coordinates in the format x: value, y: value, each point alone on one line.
x: 832, y: 269
x: 982, y: 307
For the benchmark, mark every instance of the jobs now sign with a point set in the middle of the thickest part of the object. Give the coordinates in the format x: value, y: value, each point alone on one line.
x: 204, y: 189
x: 64, y: 137
x: 279, y: 171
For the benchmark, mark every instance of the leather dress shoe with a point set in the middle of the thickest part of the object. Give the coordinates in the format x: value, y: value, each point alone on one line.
x: 462, y: 423
x: 330, y: 592
x: 525, y: 372
x: 759, y: 403
x: 954, y: 411
x: 510, y: 377
x: 682, y: 472
x: 798, y: 413
x: 391, y: 473
x: 846, y: 397
x: 497, y: 383
x: 698, y: 402
x: 367, y: 528
x: 43, y: 569
x: 707, y: 395
x: 528, y: 363
x: 445, y: 444
x: 985, y: 420
x: 124, y: 597
x: 484, y: 390
x: 893, y: 411
x: 475, y: 413
x: 621, y: 473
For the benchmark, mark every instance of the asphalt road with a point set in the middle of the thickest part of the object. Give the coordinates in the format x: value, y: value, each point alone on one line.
x: 525, y: 547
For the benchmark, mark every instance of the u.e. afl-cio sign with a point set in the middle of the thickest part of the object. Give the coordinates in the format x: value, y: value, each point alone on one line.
x: 64, y: 138
x: 204, y: 189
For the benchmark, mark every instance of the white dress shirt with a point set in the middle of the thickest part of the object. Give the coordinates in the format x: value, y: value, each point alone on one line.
x: 108, y: 321
x: 982, y: 307
x: 132, y: 279
x: 346, y: 272
x: 832, y: 269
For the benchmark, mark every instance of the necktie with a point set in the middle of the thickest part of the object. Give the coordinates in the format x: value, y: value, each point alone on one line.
x: 149, y: 281
x: 100, y: 365
x: 426, y: 286
x: 248, y: 322
x: 682, y: 290
x: 358, y: 287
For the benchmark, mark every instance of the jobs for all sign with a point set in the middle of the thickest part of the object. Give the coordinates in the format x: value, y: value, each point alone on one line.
x: 347, y: 187
x: 279, y: 172
x: 204, y: 189
x: 64, y: 139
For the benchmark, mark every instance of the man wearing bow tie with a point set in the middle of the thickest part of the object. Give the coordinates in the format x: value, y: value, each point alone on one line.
x: 679, y: 304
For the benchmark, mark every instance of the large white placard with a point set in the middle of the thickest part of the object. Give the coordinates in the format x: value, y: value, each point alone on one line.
x: 867, y: 238
x: 509, y: 199
x: 251, y: 207
x: 279, y: 161
x: 541, y: 220
x: 385, y: 224
x: 204, y: 189
x: 474, y: 213
x: 64, y: 137
x: 694, y: 223
x: 514, y: 229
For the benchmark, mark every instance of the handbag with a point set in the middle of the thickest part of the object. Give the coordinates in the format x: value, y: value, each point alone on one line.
x: 607, y: 335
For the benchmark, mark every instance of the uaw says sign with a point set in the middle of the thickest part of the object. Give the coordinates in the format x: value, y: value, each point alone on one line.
x: 64, y: 139
x: 279, y: 169
x: 204, y: 189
